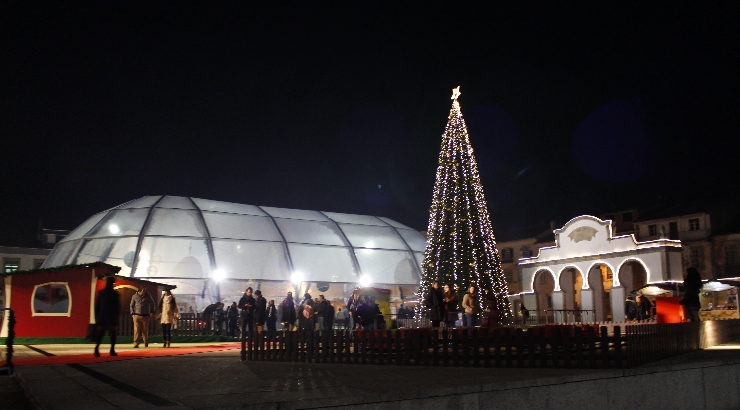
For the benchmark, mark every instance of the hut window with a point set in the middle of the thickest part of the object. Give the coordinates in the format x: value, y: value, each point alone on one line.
x: 51, y: 299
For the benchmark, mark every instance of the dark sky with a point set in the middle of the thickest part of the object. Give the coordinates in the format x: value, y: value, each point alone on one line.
x: 341, y: 106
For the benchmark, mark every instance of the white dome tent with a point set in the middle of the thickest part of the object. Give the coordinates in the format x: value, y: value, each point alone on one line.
x: 204, y: 246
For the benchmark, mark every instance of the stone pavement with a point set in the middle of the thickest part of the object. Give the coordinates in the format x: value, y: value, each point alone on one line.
x: 219, y: 380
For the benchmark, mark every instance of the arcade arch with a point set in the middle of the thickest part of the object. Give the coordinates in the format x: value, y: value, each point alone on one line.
x: 601, y: 280
x: 632, y: 275
x: 571, y: 283
x: 544, y: 286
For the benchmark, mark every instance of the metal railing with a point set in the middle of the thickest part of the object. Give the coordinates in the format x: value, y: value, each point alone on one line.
x: 9, y: 339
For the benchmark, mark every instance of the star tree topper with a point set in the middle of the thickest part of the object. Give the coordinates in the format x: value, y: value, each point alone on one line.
x: 456, y: 93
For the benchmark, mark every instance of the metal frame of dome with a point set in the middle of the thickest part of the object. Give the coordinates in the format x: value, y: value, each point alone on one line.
x: 192, y: 219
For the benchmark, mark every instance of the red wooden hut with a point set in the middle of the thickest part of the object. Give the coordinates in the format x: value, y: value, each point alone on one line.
x: 60, y: 302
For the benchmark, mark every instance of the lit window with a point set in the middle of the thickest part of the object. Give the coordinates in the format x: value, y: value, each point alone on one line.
x: 51, y: 299
x: 694, y: 224
x: 652, y: 230
x: 11, y: 265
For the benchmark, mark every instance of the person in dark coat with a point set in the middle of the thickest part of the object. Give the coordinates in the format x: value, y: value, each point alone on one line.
x: 287, y: 308
x: 449, y: 301
x: 630, y: 308
x: 260, y: 310
x: 306, y: 313
x: 272, y: 315
x: 321, y: 311
x: 351, y: 312
x: 246, y: 304
x: 210, y: 313
x: 329, y: 318
x: 365, y: 315
x: 107, y: 308
x: 692, y: 286
x: 232, y: 319
x: 644, y: 307
x: 433, y: 301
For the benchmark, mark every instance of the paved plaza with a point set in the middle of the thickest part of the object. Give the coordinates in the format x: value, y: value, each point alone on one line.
x: 217, y: 379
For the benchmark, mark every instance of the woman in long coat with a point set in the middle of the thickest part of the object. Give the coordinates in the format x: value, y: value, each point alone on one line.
x: 434, y: 302
x: 168, y: 307
x: 287, y: 310
x: 449, y: 299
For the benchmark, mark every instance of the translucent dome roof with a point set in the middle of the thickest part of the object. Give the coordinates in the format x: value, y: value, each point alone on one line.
x: 173, y: 237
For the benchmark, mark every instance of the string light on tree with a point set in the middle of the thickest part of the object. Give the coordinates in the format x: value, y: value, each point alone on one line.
x: 461, y: 248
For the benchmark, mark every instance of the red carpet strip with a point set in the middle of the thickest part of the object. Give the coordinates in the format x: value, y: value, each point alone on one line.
x: 142, y: 353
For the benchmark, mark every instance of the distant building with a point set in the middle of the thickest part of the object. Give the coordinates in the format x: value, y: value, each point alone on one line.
x: 513, y: 250
x: 14, y: 258
x: 654, y: 245
x: 695, y: 233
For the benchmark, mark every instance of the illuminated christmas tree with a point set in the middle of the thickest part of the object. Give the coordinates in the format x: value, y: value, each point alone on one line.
x: 461, y: 249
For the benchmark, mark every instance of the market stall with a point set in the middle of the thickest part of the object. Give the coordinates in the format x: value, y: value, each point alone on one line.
x: 718, y: 300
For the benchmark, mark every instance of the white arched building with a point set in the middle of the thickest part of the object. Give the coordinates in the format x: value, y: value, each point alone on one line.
x: 588, y: 269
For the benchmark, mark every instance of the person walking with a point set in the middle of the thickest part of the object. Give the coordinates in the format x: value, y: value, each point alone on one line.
x: 107, y: 308
x: 433, y: 301
x: 287, y: 308
x: 232, y: 319
x: 470, y: 305
x: 168, y: 316
x: 272, y: 316
x: 260, y: 310
x: 142, y: 308
x: 449, y: 300
x: 246, y: 304
x: 692, y: 286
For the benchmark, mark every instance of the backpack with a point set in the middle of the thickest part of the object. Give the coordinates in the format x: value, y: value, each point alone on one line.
x: 307, y: 311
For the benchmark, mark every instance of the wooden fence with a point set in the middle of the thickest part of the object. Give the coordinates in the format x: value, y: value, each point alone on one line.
x: 555, y: 346
x: 189, y: 324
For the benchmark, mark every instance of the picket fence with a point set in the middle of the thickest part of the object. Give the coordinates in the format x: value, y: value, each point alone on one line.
x: 544, y: 346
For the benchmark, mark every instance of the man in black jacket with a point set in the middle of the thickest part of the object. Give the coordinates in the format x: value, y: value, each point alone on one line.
x: 246, y: 304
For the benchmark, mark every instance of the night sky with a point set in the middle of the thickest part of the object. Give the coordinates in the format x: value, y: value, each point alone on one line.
x: 341, y: 106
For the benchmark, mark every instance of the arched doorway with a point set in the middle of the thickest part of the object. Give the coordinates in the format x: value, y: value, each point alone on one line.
x: 600, y: 279
x: 544, y: 286
x: 571, y: 283
x: 632, y: 275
